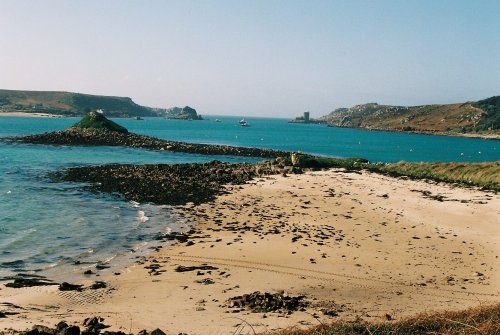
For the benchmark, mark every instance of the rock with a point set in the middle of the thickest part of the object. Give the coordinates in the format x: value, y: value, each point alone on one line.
x: 70, y: 330
x: 181, y: 268
x: 109, y: 136
x: 39, y: 329
x: 22, y: 280
x: 94, y: 324
x: 205, y: 281
x: 157, y: 331
x: 61, y: 325
x: 268, y: 302
x: 97, y: 285
x: 64, y: 286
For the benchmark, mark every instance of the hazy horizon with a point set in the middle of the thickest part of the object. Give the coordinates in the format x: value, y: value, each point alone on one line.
x: 254, y: 58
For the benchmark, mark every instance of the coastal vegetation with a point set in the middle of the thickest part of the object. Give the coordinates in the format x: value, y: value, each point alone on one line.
x: 480, y: 118
x: 479, y: 320
x: 70, y: 104
x: 480, y: 174
x: 483, y: 174
x: 461, y: 118
x: 98, y: 121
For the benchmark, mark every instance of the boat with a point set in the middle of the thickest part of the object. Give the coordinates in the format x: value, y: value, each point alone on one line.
x: 217, y: 120
x: 243, y: 123
x: 139, y: 118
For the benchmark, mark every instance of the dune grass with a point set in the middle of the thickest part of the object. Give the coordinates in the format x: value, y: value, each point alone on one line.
x: 483, y: 320
x: 484, y: 174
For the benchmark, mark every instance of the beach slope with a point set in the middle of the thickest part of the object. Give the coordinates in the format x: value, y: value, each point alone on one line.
x: 354, y: 244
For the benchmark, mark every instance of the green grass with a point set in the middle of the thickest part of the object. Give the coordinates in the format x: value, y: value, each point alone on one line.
x: 485, y: 174
x: 483, y: 320
x: 98, y: 121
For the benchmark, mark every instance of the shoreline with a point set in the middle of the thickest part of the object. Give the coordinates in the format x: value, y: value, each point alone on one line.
x: 437, y: 133
x: 355, y: 244
x: 430, y: 133
x: 27, y: 114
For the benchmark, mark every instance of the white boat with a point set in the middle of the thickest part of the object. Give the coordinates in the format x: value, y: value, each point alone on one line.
x: 217, y: 120
x: 243, y: 123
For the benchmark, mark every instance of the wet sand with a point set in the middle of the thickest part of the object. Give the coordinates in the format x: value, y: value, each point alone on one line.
x: 357, y: 245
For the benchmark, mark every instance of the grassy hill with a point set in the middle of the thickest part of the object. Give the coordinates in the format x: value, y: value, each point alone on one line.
x: 469, y: 117
x: 69, y: 104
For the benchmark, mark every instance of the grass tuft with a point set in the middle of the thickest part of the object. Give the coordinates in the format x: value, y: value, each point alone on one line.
x: 483, y: 320
x: 485, y: 174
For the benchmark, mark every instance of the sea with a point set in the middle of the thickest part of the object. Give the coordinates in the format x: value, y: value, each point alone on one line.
x: 59, y: 229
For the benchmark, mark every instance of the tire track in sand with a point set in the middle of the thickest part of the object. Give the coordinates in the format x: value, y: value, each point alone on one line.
x: 363, y: 282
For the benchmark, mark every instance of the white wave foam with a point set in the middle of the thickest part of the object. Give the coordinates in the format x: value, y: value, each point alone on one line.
x: 141, y: 216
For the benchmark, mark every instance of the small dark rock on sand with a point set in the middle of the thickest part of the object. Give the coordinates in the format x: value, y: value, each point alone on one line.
x: 268, y: 302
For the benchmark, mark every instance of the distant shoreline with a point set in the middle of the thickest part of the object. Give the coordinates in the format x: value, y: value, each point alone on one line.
x: 436, y: 133
x: 465, y: 135
x: 26, y: 114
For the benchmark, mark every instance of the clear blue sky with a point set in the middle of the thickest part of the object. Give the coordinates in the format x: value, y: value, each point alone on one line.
x: 268, y: 58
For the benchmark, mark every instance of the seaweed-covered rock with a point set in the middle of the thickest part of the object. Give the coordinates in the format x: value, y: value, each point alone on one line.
x: 167, y: 184
x: 268, y: 302
x: 94, y: 136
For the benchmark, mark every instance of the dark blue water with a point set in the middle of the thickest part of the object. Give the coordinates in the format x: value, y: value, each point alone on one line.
x: 43, y: 224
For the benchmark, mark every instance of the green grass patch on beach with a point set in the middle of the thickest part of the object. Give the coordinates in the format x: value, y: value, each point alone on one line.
x: 484, y: 174
x: 480, y: 320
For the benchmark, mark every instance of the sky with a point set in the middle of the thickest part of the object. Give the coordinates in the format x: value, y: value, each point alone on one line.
x: 255, y: 58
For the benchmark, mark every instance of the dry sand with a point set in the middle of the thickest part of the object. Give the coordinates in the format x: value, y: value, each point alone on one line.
x: 363, y: 245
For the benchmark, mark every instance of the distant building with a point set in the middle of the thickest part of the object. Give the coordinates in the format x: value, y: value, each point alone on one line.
x: 305, y: 118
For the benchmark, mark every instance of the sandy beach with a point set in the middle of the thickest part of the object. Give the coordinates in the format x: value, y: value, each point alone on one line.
x: 26, y: 114
x: 356, y: 245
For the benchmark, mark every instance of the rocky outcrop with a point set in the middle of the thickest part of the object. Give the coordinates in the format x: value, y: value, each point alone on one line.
x: 169, y: 184
x: 95, y: 137
x: 186, y: 113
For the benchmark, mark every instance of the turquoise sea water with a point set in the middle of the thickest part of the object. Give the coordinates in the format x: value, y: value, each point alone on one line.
x: 43, y: 223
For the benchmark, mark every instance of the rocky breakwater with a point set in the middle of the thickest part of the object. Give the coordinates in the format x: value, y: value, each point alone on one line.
x: 95, y: 130
x: 101, y: 137
x: 170, y: 184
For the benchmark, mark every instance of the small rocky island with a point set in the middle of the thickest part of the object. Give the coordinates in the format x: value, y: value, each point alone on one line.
x: 185, y: 113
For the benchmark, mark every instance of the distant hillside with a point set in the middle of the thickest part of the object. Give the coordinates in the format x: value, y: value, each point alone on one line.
x: 69, y: 104
x: 468, y: 117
